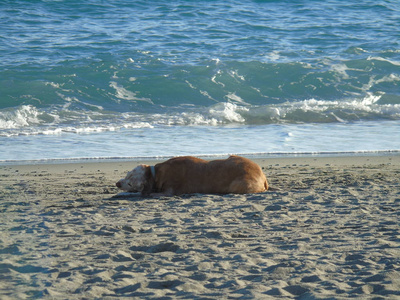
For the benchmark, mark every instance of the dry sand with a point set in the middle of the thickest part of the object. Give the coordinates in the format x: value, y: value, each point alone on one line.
x: 331, y: 230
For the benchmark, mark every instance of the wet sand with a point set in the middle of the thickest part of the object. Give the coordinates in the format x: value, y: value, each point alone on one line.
x: 328, y: 229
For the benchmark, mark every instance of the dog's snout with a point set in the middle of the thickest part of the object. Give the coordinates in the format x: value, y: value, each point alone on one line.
x: 118, y: 184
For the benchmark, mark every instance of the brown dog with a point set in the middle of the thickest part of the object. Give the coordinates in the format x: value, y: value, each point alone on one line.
x: 189, y: 175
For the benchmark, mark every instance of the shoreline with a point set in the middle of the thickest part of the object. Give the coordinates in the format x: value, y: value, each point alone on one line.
x: 124, y: 165
x: 328, y: 229
x: 253, y: 156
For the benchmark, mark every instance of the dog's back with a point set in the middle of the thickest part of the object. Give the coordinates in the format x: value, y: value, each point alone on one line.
x: 187, y: 175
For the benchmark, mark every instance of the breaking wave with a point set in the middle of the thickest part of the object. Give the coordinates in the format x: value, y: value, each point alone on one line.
x: 29, y: 120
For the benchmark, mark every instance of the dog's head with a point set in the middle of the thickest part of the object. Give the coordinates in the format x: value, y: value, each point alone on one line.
x: 134, y: 181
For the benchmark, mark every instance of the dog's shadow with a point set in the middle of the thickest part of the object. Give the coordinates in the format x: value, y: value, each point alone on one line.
x: 137, y: 196
x: 126, y: 196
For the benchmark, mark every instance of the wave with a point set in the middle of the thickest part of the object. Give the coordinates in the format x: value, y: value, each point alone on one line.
x: 138, y: 93
x: 30, y: 120
x: 143, y: 85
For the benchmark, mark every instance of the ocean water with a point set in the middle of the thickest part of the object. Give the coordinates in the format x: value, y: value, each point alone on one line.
x: 119, y: 78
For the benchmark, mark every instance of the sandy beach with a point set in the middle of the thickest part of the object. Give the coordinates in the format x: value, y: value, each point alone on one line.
x: 329, y: 229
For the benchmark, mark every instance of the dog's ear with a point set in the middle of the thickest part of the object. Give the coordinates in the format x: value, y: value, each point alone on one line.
x: 149, y: 182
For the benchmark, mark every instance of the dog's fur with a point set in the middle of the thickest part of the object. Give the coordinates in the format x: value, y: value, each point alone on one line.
x: 189, y: 175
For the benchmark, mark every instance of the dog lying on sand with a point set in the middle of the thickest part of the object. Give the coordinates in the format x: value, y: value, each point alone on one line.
x: 190, y: 175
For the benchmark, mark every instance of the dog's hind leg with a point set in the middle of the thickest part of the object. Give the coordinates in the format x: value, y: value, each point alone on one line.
x: 246, y: 186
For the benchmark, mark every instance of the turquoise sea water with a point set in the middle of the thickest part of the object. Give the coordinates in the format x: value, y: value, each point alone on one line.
x: 96, y: 79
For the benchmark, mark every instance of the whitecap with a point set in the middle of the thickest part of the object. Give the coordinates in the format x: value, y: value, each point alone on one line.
x: 227, y: 112
x: 124, y: 94
x: 23, y: 116
x: 234, y: 74
x: 213, y: 79
x: 392, y: 62
x: 235, y: 98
